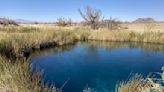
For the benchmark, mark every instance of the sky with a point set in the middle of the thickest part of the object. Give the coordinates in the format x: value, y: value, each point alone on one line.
x: 51, y: 10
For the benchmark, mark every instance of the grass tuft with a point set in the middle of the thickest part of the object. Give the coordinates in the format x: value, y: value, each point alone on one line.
x: 17, y: 77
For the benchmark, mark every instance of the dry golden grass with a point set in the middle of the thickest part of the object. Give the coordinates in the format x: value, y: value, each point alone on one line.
x: 32, y: 36
x: 17, y: 77
x: 134, y: 84
x: 149, y: 37
x: 140, y: 27
x: 15, y: 41
x: 138, y: 83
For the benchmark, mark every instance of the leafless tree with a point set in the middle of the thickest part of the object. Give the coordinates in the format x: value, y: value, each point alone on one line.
x: 92, y: 17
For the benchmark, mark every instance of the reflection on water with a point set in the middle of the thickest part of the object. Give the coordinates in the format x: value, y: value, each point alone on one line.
x: 147, y: 47
x: 99, y: 65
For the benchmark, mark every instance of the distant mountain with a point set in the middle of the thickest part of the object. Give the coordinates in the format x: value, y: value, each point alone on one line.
x: 144, y: 20
x: 3, y: 19
x: 6, y: 21
x: 22, y: 21
x: 18, y: 21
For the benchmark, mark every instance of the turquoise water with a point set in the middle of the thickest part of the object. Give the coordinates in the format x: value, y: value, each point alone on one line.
x: 99, y: 65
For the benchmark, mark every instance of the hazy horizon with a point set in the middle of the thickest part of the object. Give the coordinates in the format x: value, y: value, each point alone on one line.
x: 50, y: 10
